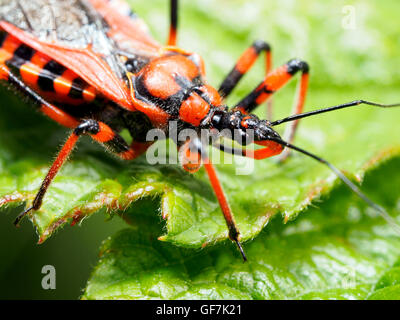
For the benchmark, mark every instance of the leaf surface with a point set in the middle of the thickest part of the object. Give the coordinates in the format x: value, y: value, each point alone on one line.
x: 340, y: 250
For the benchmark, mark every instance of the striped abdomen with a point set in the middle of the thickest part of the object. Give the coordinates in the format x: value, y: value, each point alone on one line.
x: 46, y: 76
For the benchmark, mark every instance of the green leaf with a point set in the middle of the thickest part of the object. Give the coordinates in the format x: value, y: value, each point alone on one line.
x: 341, y: 250
x: 354, y: 140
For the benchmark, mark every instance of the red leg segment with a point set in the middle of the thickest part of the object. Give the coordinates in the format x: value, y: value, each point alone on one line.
x: 57, y: 164
x: 274, y: 81
x: 271, y: 148
x: 243, y: 65
x: 173, y: 23
x: 100, y: 132
x: 190, y: 159
x: 234, y: 233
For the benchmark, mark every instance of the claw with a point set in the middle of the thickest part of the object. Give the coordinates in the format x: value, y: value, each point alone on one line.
x: 21, y: 215
x: 241, y: 250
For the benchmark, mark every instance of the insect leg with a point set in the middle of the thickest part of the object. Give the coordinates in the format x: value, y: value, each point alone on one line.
x: 384, y: 214
x: 273, y: 149
x: 135, y: 150
x: 45, y: 107
x: 274, y: 81
x: 234, y: 233
x: 297, y: 116
x: 298, y: 107
x: 193, y: 152
x: 333, y: 108
x: 245, y: 62
x: 100, y: 132
x: 270, y: 149
x: 173, y: 22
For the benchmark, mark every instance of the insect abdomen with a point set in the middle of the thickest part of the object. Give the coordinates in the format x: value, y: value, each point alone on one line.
x: 43, y: 74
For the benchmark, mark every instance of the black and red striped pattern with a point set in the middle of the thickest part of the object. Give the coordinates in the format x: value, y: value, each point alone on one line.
x: 44, y: 74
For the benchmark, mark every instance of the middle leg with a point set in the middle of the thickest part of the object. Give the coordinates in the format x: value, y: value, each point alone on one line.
x: 274, y: 81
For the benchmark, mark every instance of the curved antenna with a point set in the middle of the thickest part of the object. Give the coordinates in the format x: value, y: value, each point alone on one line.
x: 340, y: 106
x: 350, y: 184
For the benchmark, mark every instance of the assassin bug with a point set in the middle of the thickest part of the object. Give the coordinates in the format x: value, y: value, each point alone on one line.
x: 91, y: 66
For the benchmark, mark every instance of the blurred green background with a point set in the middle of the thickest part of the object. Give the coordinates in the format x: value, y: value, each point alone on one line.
x: 352, y: 46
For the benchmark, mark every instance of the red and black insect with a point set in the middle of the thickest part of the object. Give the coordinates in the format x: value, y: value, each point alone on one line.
x: 91, y: 66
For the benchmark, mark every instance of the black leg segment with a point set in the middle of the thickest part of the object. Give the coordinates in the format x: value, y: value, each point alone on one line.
x: 243, y: 65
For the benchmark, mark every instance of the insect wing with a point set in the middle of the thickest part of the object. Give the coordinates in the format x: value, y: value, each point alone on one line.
x: 126, y: 28
x: 84, y: 36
